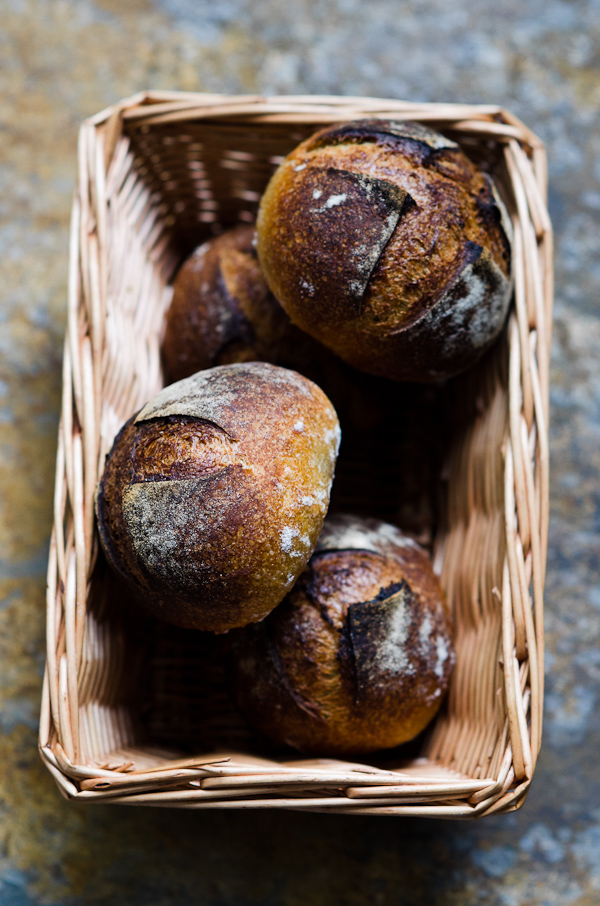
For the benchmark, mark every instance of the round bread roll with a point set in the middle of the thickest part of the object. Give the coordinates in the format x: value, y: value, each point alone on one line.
x: 384, y: 242
x: 214, y: 494
x: 358, y: 655
x: 222, y: 311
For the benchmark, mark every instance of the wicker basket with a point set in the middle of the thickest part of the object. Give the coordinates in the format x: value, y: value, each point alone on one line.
x: 158, y: 173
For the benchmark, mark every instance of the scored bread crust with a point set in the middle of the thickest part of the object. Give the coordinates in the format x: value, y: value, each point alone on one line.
x: 384, y: 242
x: 359, y: 654
x: 222, y: 312
x: 214, y: 494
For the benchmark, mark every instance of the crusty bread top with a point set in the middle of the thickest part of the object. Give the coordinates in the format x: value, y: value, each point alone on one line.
x: 383, y: 241
x: 359, y: 654
x: 214, y: 494
x: 222, y: 312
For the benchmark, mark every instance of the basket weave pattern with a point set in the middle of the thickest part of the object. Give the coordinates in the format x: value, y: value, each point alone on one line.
x: 157, y: 173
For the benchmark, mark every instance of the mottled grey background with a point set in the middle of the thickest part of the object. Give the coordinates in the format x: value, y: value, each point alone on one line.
x: 61, y: 60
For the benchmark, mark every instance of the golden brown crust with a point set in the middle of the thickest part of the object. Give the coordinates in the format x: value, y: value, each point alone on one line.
x: 223, y: 312
x: 214, y: 494
x: 384, y: 242
x: 359, y: 654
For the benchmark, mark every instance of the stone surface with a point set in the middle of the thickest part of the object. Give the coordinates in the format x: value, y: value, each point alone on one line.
x: 61, y: 60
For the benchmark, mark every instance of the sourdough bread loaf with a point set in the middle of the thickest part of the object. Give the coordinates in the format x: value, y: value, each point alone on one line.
x: 359, y: 654
x: 386, y: 243
x: 214, y: 493
x: 222, y: 312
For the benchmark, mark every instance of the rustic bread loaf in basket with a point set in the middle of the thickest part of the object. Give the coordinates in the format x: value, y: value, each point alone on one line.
x: 127, y: 714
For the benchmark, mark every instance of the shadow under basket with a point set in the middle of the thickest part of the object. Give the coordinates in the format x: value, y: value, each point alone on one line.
x: 128, y: 715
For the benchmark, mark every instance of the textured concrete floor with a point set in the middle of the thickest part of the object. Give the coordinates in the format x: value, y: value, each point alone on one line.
x: 61, y: 60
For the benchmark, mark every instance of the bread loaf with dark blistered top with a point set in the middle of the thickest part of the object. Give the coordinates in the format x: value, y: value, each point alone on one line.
x: 222, y: 312
x: 386, y: 243
x: 359, y: 654
x: 214, y: 494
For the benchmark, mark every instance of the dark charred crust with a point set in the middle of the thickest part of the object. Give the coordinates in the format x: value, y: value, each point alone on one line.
x: 335, y: 578
x: 471, y: 252
x: 309, y: 708
x: 440, y: 337
x: 112, y: 527
x: 310, y: 583
x: 370, y: 626
x: 487, y: 209
x: 205, y: 319
x: 454, y: 331
x: 390, y: 591
x: 346, y: 659
x: 411, y: 138
x: 324, y: 554
x: 490, y: 216
x: 182, y: 420
x: 110, y: 537
x: 348, y: 219
x: 235, y: 328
